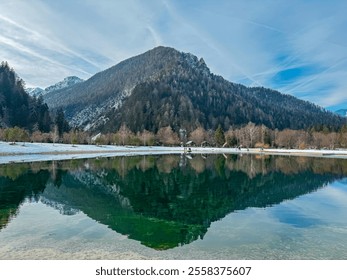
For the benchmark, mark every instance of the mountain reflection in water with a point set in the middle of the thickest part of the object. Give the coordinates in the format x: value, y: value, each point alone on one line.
x: 163, y: 201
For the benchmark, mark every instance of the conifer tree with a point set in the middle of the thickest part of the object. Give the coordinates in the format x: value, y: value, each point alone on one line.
x: 219, y: 136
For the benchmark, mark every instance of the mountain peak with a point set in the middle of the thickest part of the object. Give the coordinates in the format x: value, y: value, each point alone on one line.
x: 172, y: 56
x: 35, y: 91
x: 67, y: 82
x: 74, y: 79
x: 162, y: 49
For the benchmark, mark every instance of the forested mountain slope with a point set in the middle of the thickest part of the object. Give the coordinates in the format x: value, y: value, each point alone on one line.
x: 166, y: 87
x: 17, y: 108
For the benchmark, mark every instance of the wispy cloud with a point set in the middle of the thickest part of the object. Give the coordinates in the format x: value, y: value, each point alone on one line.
x: 22, y: 41
x: 296, y: 47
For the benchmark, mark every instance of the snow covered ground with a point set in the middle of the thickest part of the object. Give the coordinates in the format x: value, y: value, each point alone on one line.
x: 28, y: 152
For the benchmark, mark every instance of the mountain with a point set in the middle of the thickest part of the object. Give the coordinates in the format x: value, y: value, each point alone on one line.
x: 66, y: 83
x: 341, y: 112
x: 17, y: 107
x: 164, y: 87
x: 35, y: 91
x: 86, y: 104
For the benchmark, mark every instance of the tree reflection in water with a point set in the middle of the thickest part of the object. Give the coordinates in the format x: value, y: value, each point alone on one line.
x: 163, y: 201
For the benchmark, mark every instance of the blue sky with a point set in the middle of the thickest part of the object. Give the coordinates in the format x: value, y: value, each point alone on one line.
x: 296, y: 47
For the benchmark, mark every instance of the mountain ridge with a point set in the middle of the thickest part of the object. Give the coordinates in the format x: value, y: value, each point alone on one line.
x: 65, y: 83
x: 165, y: 87
x: 90, y: 99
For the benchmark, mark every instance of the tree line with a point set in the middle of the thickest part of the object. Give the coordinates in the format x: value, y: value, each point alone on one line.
x: 17, y: 108
x: 23, y: 116
x: 248, y: 136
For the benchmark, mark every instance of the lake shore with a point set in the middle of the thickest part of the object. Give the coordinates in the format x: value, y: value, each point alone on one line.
x: 29, y: 152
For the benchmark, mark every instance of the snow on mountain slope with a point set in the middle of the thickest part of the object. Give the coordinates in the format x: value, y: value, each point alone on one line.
x: 35, y: 91
x: 66, y: 83
x: 163, y: 87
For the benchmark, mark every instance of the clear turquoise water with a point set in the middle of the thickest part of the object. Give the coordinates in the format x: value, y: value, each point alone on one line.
x: 174, y: 207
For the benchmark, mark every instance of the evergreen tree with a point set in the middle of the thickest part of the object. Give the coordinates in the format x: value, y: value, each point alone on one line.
x: 219, y: 136
x: 60, y: 122
x: 17, y: 108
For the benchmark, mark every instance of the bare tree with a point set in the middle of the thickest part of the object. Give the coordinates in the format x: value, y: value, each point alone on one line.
x: 147, y: 138
x: 197, y: 136
x: 252, y: 132
x: 166, y: 136
x: 55, y: 134
x: 123, y: 135
x: 302, y: 141
x: 332, y: 139
x: 342, y: 139
x: 286, y: 138
x: 37, y: 136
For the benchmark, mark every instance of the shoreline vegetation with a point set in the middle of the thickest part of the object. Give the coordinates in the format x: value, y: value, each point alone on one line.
x: 29, y: 152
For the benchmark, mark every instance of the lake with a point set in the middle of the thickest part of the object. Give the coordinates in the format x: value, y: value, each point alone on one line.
x: 175, y: 207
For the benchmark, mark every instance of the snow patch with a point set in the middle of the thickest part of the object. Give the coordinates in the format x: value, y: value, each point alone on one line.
x: 30, y: 152
x: 67, y: 82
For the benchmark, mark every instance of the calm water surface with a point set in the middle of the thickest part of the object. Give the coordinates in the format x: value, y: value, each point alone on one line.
x: 175, y: 207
